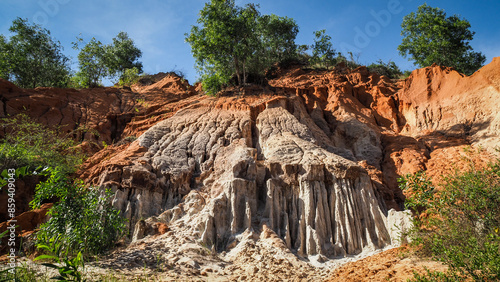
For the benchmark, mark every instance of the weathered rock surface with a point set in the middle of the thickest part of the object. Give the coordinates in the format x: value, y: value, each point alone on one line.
x: 100, y: 114
x: 261, y: 160
x: 256, y: 178
x: 317, y: 163
x: 439, y: 99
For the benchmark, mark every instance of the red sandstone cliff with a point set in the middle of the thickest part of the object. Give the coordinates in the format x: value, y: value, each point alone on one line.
x: 307, y: 166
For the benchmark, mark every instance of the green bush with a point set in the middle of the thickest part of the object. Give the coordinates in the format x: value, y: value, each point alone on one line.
x: 83, y: 218
x: 214, y: 83
x: 458, y: 223
x: 389, y: 69
x: 76, y: 81
x: 129, y: 77
x: 69, y: 269
x: 27, y: 143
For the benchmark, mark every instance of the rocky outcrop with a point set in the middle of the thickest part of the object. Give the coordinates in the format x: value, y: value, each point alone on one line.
x: 307, y: 165
x: 100, y: 114
x: 316, y: 162
x: 233, y: 165
x: 439, y: 99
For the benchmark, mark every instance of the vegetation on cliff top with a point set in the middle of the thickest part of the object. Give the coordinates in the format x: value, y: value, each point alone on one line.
x: 233, y: 40
x: 97, y: 61
x: 232, y: 45
x: 32, y: 58
x: 431, y: 37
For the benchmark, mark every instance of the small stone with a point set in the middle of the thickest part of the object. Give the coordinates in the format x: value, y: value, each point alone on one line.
x: 322, y: 258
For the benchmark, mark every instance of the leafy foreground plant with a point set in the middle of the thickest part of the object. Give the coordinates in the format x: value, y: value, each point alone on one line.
x: 83, y: 218
x: 23, y: 273
x: 458, y: 223
x: 69, y: 269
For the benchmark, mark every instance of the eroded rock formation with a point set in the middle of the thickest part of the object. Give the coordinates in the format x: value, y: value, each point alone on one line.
x: 270, y: 160
x: 310, y: 161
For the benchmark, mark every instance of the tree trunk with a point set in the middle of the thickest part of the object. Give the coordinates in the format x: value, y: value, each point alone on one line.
x: 244, y: 74
x: 237, y: 69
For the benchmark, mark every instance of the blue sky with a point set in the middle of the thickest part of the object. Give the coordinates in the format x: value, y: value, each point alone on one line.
x: 370, y: 29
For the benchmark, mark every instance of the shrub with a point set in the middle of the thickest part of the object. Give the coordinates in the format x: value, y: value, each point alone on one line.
x: 27, y: 143
x: 458, y: 222
x: 389, y: 69
x: 214, y: 83
x: 129, y: 77
x: 83, y: 218
x: 69, y: 269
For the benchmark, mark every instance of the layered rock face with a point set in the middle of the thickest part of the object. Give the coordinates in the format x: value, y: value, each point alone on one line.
x: 311, y: 160
x: 97, y: 115
x: 230, y: 165
x: 315, y: 161
x: 439, y: 99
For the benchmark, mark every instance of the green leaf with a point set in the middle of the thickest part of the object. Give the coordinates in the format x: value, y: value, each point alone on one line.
x: 50, y: 265
x: 40, y: 257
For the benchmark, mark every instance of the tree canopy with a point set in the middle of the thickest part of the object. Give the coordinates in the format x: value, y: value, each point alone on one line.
x: 32, y: 58
x: 93, y: 61
x: 322, y: 50
x: 233, y: 40
x: 97, y: 61
x: 431, y: 37
x: 123, y: 55
x: 4, y: 58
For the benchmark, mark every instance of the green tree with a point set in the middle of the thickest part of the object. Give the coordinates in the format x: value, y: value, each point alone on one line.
x: 234, y: 40
x: 93, y: 61
x: 322, y: 50
x: 123, y: 55
x: 223, y: 43
x: 32, y: 58
x: 431, y: 37
x: 276, y: 43
x: 4, y: 58
x: 97, y: 61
